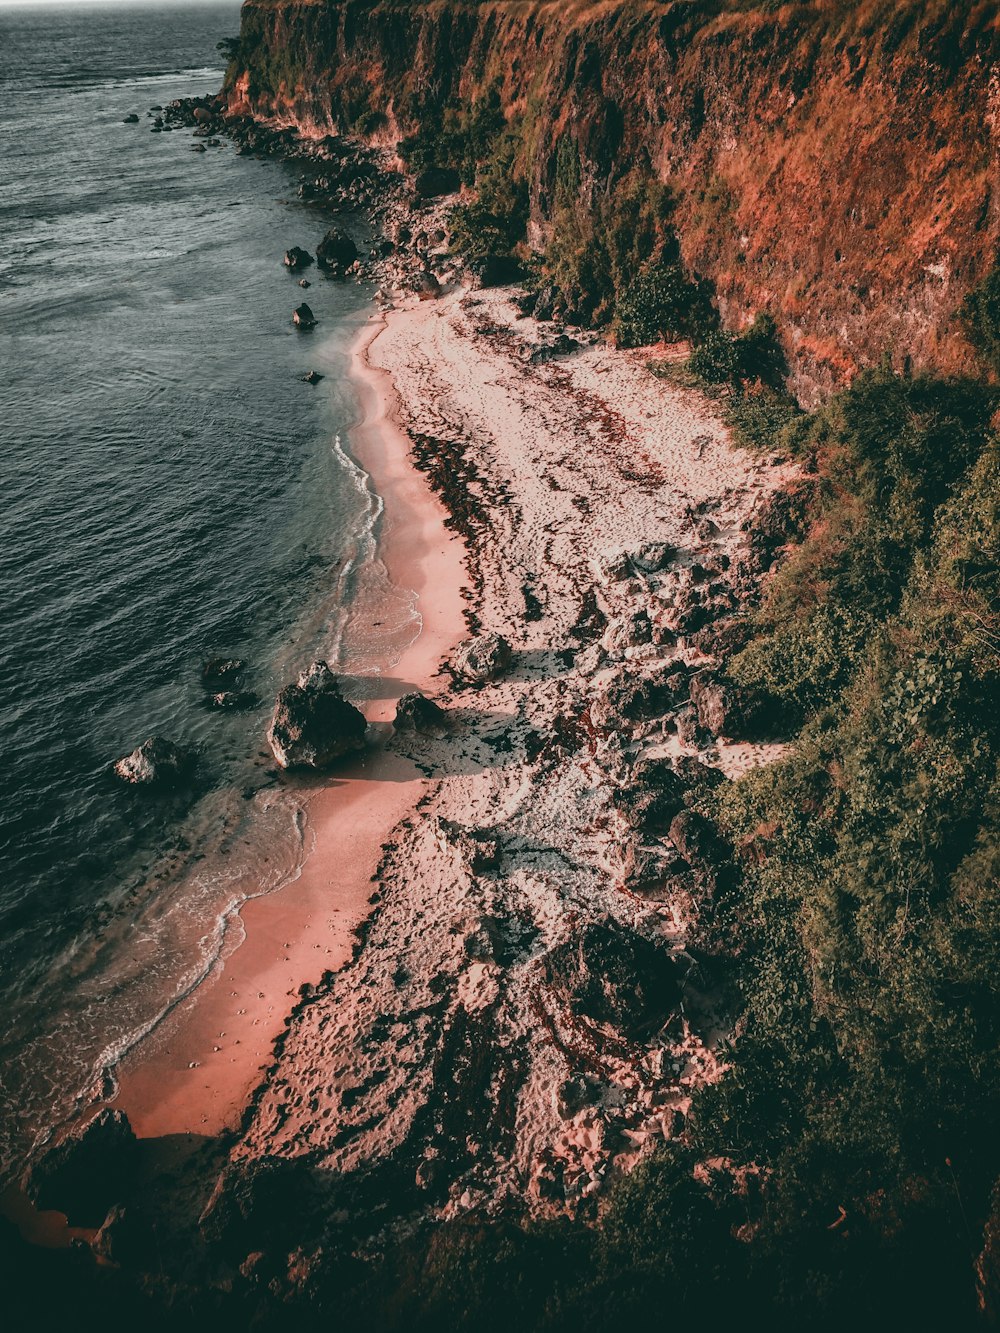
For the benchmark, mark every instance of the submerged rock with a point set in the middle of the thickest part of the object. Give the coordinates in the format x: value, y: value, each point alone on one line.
x: 415, y: 712
x: 222, y: 668
x: 312, y: 377
x: 87, y: 1173
x: 297, y: 258
x: 130, y: 119
x: 483, y: 659
x: 313, y: 724
x: 235, y: 701
x: 303, y: 317
x: 156, y: 763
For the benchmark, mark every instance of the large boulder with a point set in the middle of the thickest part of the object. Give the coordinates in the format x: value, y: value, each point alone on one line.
x: 303, y: 317
x: 86, y: 1173
x: 482, y: 659
x: 313, y: 724
x: 336, y: 251
x: 613, y: 977
x: 415, y: 712
x: 156, y: 763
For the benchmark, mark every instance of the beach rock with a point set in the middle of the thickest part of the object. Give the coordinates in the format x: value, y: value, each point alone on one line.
x: 156, y: 763
x: 312, y: 377
x: 297, y: 258
x: 336, y: 250
x: 86, y: 1173
x: 482, y: 659
x: 222, y: 668
x: 654, y: 558
x: 415, y: 712
x: 303, y: 317
x: 613, y: 977
x: 304, y: 282
x: 426, y: 285
x: 561, y: 345
x: 313, y: 724
x: 202, y: 115
x: 130, y: 119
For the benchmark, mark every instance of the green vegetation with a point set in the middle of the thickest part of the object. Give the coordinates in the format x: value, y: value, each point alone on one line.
x: 851, y: 1146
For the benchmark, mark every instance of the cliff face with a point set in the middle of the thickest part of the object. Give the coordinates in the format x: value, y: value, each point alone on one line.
x: 835, y: 165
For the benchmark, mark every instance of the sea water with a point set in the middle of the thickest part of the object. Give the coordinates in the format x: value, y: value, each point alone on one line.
x: 170, y: 491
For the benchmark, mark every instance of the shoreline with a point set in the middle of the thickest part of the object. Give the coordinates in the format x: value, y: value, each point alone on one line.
x: 197, y: 1071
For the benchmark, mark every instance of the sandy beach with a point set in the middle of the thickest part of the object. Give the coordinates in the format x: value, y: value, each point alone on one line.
x: 576, y: 505
x: 196, y: 1073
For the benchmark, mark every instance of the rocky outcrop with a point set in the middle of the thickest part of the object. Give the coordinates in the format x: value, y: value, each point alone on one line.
x: 303, y: 317
x: 808, y: 179
x: 86, y: 1173
x: 156, y: 763
x: 313, y: 724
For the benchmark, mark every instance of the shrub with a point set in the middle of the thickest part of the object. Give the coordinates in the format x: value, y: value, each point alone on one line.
x: 659, y: 303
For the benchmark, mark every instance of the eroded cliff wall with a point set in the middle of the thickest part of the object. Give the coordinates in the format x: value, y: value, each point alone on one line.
x: 835, y: 164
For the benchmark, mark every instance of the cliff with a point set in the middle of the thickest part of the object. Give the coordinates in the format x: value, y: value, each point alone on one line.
x: 833, y: 164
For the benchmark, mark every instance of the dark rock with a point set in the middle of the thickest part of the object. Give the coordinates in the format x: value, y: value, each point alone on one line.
x: 126, y: 1237
x: 222, y: 668
x: 483, y: 659
x: 734, y: 712
x: 312, y: 377
x: 572, y: 1095
x: 545, y: 303
x: 435, y: 181
x: 426, y: 285
x: 697, y: 840
x: 613, y: 977
x: 313, y: 724
x: 296, y: 258
x: 336, y: 251
x: 524, y: 302
x: 131, y: 119
x: 415, y: 712
x: 304, y: 282
x: 198, y: 148
x: 303, y: 317
x: 86, y: 1173
x: 156, y: 763
x: 724, y: 639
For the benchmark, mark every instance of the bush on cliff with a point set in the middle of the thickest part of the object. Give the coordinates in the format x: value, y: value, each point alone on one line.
x: 660, y: 303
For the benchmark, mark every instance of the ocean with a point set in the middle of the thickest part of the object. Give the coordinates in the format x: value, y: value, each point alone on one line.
x: 172, y: 491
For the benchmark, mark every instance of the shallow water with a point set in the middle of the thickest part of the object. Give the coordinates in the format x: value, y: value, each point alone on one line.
x: 172, y: 491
